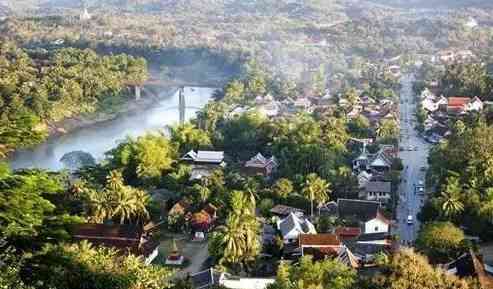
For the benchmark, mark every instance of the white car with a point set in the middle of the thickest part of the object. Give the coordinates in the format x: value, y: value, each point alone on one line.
x: 420, y: 182
x: 410, y: 220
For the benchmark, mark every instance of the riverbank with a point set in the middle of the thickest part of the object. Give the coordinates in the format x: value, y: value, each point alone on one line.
x: 100, y: 133
x: 82, y: 121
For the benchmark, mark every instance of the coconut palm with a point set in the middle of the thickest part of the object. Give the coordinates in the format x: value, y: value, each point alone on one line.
x: 239, y: 236
x: 316, y: 189
x: 451, y: 198
x: 118, y: 201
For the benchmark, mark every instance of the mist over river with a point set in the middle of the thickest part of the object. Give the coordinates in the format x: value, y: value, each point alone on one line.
x: 101, y: 137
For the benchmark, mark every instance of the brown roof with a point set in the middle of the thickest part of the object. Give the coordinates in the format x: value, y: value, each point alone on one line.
x: 348, y: 232
x: 316, y: 240
x: 179, y: 208
x: 201, y: 217
x: 125, y: 238
x: 485, y: 280
x: 210, y: 209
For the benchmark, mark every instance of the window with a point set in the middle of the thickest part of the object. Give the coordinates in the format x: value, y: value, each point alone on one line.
x: 376, y: 229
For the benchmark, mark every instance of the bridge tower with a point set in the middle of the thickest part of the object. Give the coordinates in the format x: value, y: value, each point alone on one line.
x: 181, y: 104
x: 138, y: 90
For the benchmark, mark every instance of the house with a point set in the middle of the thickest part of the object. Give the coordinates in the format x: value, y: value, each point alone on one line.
x: 328, y: 209
x: 395, y: 70
x: 319, y: 245
x: 475, y: 105
x: 384, y: 239
x: 348, y: 233
x: 284, y: 211
x: 461, y: 105
x: 203, y: 163
x: 427, y: 94
x: 302, y: 103
x: 180, y: 208
x: 379, y: 162
x: 205, y: 279
x: 366, y: 246
x: 293, y: 226
x: 382, y: 160
x: 469, y: 265
x: 322, y: 246
x: 363, y: 178
x: 127, y: 239
x: 429, y: 105
x: 378, y: 191
x: 212, y: 278
x: 270, y: 109
x: 204, y: 157
x: 260, y: 165
x: 201, y: 221
x: 446, y: 56
x: 366, y: 214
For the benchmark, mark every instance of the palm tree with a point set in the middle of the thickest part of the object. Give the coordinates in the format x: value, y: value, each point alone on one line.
x: 242, y: 204
x: 118, y: 200
x: 240, y: 239
x: 316, y: 189
x: 387, y: 129
x: 130, y: 204
x: 451, y: 198
x: 99, y: 206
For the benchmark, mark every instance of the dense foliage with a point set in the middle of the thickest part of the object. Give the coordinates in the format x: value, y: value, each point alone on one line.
x: 81, y: 266
x: 461, y: 170
x: 37, y: 91
x: 441, y: 241
x: 330, y: 274
x: 408, y: 270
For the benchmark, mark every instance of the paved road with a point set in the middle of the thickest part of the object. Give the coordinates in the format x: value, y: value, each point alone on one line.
x: 410, y: 202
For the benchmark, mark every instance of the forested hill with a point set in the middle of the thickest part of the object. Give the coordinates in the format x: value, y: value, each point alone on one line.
x: 435, y: 3
x: 37, y: 90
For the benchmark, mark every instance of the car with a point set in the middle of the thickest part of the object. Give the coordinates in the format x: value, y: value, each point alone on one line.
x: 423, y: 169
x: 420, y: 182
x: 419, y: 190
x: 409, y: 148
x: 410, y: 220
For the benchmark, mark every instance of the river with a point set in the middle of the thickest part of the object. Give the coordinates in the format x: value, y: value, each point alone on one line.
x: 99, y: 138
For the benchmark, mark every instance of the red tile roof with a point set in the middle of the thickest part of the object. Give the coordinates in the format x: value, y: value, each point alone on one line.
x: 458, y: 101
x: 348, y: 232
x: 316, y: 240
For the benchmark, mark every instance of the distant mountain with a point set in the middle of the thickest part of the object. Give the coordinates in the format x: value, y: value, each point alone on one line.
x: 434, y: 3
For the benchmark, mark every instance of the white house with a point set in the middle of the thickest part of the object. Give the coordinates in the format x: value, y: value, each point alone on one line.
x: 203, y: 163
x: 292, y: 226
x: 429, y: 105
x: 270, y: 109
x: 366, y: 213
x: 474, y: 105
x: 206, y: 157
